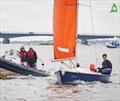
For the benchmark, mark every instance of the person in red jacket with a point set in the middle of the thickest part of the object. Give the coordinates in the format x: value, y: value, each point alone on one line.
x: 23, y: 56
x: 32, y: 58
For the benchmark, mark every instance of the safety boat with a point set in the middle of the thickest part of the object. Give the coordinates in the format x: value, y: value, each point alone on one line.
x: 64, y: 32
x: 11, y: 61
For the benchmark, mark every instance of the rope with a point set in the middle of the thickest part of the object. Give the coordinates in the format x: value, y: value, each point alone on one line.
x: 66, y: 64
x: 92, y: 25
x: 72, y: 63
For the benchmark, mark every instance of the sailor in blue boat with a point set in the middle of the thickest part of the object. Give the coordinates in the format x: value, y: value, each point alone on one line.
x: 106, y: 66
x: 23, y: 56
x: 31, y: 58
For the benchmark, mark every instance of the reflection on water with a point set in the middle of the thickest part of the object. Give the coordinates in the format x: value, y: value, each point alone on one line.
x: 84, y: 92
x: 62, y: 92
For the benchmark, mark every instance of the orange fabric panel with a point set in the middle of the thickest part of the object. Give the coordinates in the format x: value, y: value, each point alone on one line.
x: 64, y: 28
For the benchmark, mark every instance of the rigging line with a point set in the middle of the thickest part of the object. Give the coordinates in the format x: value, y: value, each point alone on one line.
x: 66, y: 64
x: 82, y: 20
x: 92, y: 25
x: 72, y: 63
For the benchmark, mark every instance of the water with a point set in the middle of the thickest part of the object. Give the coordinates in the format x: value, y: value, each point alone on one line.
x: 29, y: 88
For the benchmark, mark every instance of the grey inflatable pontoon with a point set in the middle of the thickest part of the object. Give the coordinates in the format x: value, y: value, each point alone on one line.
x: 21, y: 69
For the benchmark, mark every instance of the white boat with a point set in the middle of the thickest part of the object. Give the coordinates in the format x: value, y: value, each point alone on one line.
x: 113, y: 44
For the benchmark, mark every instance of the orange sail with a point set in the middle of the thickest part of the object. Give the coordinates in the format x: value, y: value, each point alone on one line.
x: 64, y: 28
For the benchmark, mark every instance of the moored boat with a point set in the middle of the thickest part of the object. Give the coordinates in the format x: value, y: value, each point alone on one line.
x: 113, y: 44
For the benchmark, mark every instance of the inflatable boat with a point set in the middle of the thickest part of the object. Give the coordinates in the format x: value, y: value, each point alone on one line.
x: 10, y: 61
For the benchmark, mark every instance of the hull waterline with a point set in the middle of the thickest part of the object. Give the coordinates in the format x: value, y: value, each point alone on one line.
x: 76, y: 77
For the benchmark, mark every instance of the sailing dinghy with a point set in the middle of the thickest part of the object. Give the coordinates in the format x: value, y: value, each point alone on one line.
x: 64, y: 30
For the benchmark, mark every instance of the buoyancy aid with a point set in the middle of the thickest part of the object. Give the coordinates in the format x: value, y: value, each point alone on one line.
x: 31, y: 54
x: 32, y: 57
x: 23, y: 56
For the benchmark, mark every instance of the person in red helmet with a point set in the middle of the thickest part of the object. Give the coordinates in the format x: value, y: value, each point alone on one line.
x: 23, y: 56
x: 32, y: 58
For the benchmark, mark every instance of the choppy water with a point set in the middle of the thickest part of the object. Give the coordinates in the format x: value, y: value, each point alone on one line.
x: 29, y: 88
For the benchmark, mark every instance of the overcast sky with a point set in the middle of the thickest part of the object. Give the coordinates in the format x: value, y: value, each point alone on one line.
x: 37, y: 16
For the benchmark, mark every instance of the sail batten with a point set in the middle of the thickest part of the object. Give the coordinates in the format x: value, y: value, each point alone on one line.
x: 64, y: 28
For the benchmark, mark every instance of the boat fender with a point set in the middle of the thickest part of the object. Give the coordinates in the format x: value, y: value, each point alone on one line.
x: 92, y: 67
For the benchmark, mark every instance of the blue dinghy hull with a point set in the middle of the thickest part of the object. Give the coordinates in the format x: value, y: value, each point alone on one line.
x: 76, y: 77
x: 17, y: 68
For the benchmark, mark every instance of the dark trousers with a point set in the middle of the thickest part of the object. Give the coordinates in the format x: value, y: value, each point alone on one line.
x: 105, y: 71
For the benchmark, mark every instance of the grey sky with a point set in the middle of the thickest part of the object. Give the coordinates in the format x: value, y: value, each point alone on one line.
x: 36, y: 16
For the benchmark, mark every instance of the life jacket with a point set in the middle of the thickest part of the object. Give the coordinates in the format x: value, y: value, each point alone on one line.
x: 23, y: 56
x: 31, y: 54
x: 31, y: 57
